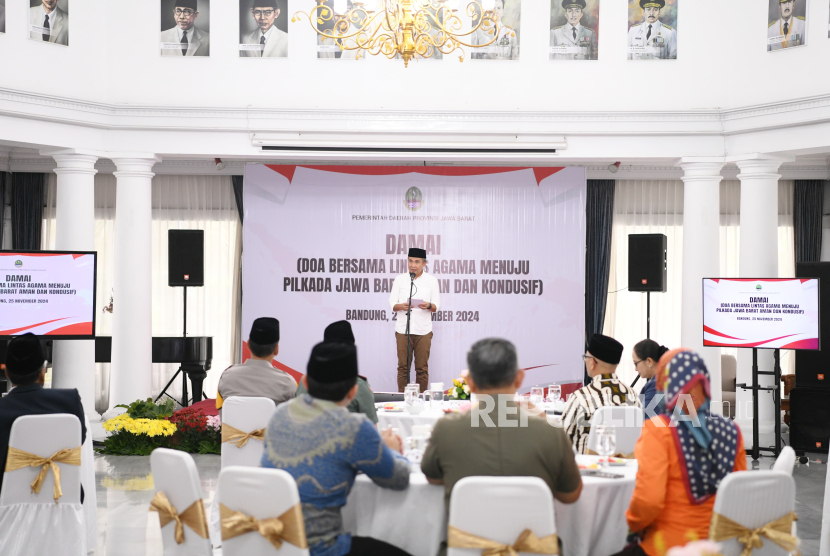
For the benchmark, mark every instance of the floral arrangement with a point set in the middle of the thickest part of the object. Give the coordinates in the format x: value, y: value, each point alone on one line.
x: 147, y: 426
x: 459, y: 390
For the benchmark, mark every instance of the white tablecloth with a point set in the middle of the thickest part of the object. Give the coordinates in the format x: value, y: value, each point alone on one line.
x: 415, y: 519
x: 404, y: 421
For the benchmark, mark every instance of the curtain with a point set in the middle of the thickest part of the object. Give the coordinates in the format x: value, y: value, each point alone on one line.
x: 644, y: 207
x: 236, y: 352
x: 237, y: 194
x: 179, y: 202
x: 808, y: 202
x: 599, y: 215
x: 27, y: 210
x: 730, y: 238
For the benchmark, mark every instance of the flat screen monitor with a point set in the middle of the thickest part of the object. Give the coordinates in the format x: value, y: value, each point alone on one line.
x: 47, y: 293
x: 761, y: 313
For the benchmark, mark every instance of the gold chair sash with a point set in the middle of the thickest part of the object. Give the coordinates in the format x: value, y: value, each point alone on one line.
x: 18, y: 459
x: 193, y: 516
x: 288, y: 527
x: 238, y: 437
x: 778, y: 531
x: 527, y: 542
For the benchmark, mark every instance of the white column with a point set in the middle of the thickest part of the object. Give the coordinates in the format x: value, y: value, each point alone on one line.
x: 132, y: 281
x: 73, y: 361
x: 758, y: 259
x: 701, y: 221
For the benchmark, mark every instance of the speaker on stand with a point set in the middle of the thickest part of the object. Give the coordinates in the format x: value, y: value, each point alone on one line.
x: 185, y: 268
x: 647, y: 269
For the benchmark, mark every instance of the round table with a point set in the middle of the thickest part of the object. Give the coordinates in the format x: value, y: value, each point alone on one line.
x: 415, y: 519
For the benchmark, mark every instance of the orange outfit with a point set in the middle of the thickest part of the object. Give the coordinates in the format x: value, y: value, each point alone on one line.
x: 660, y: 505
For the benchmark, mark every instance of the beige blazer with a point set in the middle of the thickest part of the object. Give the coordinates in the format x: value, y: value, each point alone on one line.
x: 60, y: 26
x: 276, y: 47
x: 198, y: 42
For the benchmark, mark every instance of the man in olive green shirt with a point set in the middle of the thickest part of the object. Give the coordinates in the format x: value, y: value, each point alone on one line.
x: 500, y: 439
x: 364, y: 401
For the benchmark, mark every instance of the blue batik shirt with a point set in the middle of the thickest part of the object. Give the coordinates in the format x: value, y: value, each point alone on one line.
x: 323, y: 447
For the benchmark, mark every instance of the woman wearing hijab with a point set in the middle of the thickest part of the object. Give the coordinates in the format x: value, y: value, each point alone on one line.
x: 682, y: 459
x: 646, y: 354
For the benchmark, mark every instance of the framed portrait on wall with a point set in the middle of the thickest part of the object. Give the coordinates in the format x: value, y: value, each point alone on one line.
x: 786, y: 24
x: 652, y: 29
x: 574, y: 30
x: 49, y: 21
x: 506, y: 45
x: 263, y: 29
x: 185, y: 28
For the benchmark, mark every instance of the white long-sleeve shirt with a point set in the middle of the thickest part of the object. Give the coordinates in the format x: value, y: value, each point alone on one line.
x: 426, y: 289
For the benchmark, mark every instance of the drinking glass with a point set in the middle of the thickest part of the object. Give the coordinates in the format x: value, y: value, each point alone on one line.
x: 554, y: 393
x: 537, y: 395
x: 438, y: 396
x: 412, y: 450
x: 427, y: 398
x: 410, y: 393
x: 606, y: 443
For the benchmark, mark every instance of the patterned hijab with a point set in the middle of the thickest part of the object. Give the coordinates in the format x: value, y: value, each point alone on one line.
x: 706, y: 445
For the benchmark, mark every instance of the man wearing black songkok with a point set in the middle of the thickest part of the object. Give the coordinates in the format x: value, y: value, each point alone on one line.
x: 426, y: 299
x: 26, y: 370
x: 257, y: 376
x: 340, y: 332
x: 601, y: 360
x: 185, y: 39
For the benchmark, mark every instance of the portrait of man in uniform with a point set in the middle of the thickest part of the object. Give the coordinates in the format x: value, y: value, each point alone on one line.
x: 49, y: 21
x: 506, y: 45
x: 573, y: 39
x: 260, y: 34
x: 186, y: 38
x: 787, y: 26
x: 652, y: 31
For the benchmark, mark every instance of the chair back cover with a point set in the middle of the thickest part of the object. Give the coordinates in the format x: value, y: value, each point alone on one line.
x: 785, y: 461
x: 627, y: 421
x: 260, y: 493
x: 32, y: 523
x: 753, y: 499
x: 43, y: 435
x: 175, y: 474
x: 500, y: 508
x: 247, y: 415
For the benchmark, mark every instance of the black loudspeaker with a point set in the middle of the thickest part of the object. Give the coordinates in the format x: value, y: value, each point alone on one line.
x: 812, y: 368
x: 810, y: 419
x: 185, y: 258
x: 647, y: 263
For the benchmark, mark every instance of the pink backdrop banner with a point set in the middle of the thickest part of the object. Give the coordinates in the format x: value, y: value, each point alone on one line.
x: 324, y: 243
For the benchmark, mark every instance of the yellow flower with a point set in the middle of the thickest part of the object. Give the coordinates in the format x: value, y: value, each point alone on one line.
x: 150, y: 427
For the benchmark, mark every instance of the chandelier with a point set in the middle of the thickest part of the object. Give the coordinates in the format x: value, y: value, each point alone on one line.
x: 406, y: 28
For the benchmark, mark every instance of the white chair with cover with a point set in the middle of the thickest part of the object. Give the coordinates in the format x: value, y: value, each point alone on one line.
x: 252, y: 500
x: 241, y: 416
x: 501, y: 510
x: 627, y: 421
x: 50, y: 521
x: 749, y: 500
x: 785, y: 461
x: 177, y: 487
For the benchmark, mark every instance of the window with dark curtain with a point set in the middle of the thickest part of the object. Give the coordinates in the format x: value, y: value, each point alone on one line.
x: 808, y: 202
x: 599, y: 215
x: 27, y: 210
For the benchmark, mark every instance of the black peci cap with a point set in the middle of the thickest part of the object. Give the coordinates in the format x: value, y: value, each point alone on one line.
x: 24, y: 355
x: 187, y: 4
x: 332, y: 362
x: 340, y: 331
x: 605, y: 348
x: 264, y: 331
x: 417, y: 253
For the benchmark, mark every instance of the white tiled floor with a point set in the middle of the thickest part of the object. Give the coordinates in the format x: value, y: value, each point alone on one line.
x: 127, y: 528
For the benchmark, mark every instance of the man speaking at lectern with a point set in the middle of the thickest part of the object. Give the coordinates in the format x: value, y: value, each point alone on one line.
x: 425, y: 300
